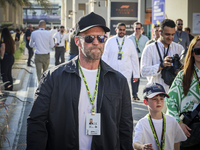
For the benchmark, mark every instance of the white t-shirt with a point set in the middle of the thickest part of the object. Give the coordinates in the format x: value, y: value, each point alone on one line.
x: 85, y: 107
x: 144, y: 135
x: 61, y: 38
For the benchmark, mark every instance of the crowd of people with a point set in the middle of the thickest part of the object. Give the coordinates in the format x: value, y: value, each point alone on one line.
x: 101, y: 78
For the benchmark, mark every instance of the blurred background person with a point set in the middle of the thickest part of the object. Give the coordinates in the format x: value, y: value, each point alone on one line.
x: 60, y: 45
x: 17, y: 38
x: 7, y: 61
x: 73, y: 48
x: 187, y: 29
x: 156, y: 35
x: 180, y: 36
x: 30, y: 49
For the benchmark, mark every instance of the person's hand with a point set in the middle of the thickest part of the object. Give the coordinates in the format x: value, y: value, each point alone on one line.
x: 185, y: 129
x: 167, y: 61
x: 147, y: 146
x: 135, y: 80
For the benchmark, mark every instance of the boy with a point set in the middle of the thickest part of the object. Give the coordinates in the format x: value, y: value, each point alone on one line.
x: 157, y: 131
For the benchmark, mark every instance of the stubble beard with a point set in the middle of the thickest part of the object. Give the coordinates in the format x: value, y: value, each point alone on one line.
x: 91, y: 55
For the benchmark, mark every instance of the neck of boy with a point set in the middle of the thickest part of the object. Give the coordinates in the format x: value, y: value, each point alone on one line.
x: 155, y: 115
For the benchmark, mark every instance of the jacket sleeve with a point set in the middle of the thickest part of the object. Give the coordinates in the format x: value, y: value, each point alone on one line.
x: 36, y: 123
x: 126, y: 120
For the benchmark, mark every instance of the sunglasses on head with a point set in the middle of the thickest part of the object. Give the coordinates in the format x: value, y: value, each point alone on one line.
x: 90, y: 38
x: 196, y: 51
x: 180, y: 24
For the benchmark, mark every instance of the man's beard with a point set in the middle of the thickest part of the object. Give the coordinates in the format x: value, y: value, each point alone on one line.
x: 179, y: 29
x: 61, y: 31
x: 121, y: 35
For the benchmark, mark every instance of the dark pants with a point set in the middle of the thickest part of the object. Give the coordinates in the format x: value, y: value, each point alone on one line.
x: 6, y: 71
x: 135, y: 85
x: 30, y: 55
x: 59, y: 54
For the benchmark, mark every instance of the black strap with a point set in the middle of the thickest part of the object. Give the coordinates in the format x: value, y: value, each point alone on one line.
x: 197, y: 109
x: 158, y: 52
x: 195, y: 112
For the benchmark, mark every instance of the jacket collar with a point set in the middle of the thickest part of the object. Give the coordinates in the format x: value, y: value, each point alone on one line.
x: 72, y: 66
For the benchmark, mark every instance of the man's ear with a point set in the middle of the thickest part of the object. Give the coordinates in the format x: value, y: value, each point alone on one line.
x: 145, y: 102
x: 76, y: 39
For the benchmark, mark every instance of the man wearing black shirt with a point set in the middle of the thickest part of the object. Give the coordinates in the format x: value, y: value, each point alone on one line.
x: 17, y: 38
x: 30, y: 50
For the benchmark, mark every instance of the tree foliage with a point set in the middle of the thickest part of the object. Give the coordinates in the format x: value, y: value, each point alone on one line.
x: 43, y: 3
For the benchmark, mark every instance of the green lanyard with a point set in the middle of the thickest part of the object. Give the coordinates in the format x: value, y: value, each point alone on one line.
x: 137, y: 41
x: 87, y: 88
x: 120, y: 47
x: 162, y: 146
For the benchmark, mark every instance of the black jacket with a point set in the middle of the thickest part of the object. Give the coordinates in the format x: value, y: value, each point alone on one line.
x: 53, y: 121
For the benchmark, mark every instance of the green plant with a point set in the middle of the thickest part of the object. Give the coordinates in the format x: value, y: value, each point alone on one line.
x: 19, y: 52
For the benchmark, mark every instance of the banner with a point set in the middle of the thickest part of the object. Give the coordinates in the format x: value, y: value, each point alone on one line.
x: 158, y: 11
x: 124, y: 9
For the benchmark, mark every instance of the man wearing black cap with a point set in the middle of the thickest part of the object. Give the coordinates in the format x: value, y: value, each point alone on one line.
x: 82, y: 89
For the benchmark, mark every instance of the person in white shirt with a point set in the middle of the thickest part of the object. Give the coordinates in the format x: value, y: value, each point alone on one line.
x: 150, y: 61
x: 42, y: 41
x: 157, y: 131
x: 60, y: 43
x: 53, y: 31
x: 120, y: 53
x: 139, y: 41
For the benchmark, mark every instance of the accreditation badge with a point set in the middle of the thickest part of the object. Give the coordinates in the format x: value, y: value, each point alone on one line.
x: 93, y: 124
x: 120, y: 55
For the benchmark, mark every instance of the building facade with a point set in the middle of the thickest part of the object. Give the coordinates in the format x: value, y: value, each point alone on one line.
x: 11, y: 14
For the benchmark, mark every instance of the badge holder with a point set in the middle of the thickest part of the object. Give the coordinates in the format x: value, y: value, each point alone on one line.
x: 120, y: 55
x: 93, y: 124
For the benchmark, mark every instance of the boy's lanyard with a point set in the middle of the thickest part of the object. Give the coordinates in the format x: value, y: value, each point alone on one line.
x: 120, y: 47
x: 87, y: 88
x: 162, y: 146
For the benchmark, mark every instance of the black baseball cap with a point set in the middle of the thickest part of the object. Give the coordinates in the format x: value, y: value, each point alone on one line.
x: 89, y: 21
x: 154, y: 89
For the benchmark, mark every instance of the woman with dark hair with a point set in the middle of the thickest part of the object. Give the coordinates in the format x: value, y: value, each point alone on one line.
x: 7, y: 59
x: 185, y: 90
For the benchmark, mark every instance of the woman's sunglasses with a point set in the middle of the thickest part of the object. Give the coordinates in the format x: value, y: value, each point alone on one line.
x: 196, y: 51
x: 90, y: 38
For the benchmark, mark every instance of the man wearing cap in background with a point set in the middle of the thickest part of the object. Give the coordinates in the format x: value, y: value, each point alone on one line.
x: 60, y: 43
x: 30, y: 49
x: 84, y: 88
